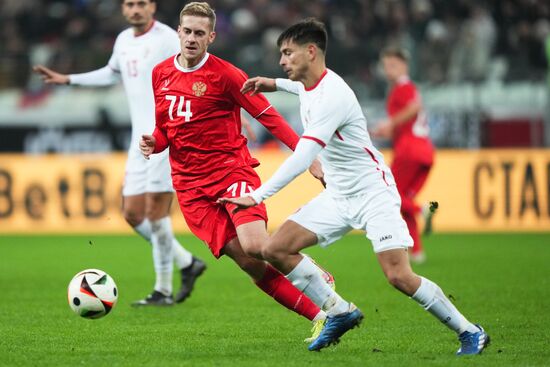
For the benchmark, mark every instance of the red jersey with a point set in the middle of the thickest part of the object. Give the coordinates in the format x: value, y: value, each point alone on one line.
x: 198, y: 117
x: 410, y: 138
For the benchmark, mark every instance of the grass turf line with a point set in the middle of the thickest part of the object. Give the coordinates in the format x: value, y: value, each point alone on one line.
x: 499, y: 280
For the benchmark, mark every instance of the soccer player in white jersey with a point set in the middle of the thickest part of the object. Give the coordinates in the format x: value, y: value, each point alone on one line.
x: 360, y: 193
x: 147, y: 191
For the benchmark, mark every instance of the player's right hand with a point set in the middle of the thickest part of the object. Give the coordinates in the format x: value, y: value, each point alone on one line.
x: 382, y: 130
x: 242, y: 202
x: 147, y: 145
x: 49, y: 76
x: 258, y: 84
x: 248, y: 129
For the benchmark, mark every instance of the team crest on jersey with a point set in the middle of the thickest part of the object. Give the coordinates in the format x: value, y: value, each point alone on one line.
x: 199, y: 88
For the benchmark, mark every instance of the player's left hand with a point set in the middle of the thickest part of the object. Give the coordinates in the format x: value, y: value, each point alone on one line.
x: 258, y: 84
x: 242, y: 202
x: 147, y: 145
x: 383, y: 130
x: 316, y: 170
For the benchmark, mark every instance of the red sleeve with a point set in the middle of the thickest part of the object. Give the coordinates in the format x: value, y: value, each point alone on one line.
x: 277, y: 125
x: 259, y: 108
x: 406, y: 94
x: 161, y: 142
x: 160, y: 134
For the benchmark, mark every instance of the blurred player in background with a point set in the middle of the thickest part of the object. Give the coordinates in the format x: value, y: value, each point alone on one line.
x: 198, y: 104
x: 148, y: 191
x: 360, y: 193
x: 413, y: 152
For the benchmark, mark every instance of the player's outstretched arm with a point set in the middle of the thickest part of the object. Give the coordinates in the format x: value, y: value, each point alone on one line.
x: 258, y: 84
x: 49, y: 76
x: 382, y: 130
x: 242, y: 202
x: 147, y: 145
x: 304, y: 155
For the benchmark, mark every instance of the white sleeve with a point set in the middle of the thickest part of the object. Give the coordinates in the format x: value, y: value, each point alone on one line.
x: 287, y: 85
x: 107, y: 75
x: 100, y: 77
x: 327, y: 116
x: 306, y: 151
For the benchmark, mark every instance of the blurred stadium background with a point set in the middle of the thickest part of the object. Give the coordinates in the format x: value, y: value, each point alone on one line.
x: 482, y: 67
x: 483, y: 70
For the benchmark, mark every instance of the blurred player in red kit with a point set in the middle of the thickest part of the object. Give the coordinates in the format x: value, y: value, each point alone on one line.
x: 413, y: 151
x: 198, y: 103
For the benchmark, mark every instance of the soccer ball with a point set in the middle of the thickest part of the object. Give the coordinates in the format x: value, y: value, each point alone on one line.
x: 92, y: 293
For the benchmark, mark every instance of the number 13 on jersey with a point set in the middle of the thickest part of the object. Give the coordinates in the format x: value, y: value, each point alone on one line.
x: 180, y: 111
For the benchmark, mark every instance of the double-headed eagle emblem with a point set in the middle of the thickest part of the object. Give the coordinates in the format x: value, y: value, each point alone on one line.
x: 199, y: 88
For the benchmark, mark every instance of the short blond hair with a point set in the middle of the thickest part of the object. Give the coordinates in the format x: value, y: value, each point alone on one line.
x: 200, y: 9
x: 395, y: 51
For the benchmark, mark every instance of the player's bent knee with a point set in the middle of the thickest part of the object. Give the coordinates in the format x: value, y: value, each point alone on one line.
x: 133, y: 218
x: 396, y: 279
x: 273, y: 252
x: 253, y: 249
x: 158, y: 206
x: 393, y: 280
x: 156, y: 212
x: 402, y: 280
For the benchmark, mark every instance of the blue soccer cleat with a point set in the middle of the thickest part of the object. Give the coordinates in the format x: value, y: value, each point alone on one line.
x: 335, y: 327
x: 473, y: 343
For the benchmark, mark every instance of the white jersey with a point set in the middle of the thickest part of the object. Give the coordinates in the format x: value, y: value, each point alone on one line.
x: 133, y: 60
x: 332, y: 117
x: 135, y: 57
x: 361, y: 191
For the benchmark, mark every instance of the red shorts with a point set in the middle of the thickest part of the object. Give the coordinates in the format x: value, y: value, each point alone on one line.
x: 215, y: 223
x: 410, y: 176
x: 414, y: 149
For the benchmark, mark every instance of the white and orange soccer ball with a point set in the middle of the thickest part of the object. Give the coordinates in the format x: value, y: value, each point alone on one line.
x: 92, y: 293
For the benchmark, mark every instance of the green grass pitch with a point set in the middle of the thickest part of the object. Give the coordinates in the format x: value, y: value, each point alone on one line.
x: 499, y: 280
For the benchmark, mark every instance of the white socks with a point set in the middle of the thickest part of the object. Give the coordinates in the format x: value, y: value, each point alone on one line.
x: 144, y: 229
x: 163, y: 254
x: 308, y: 279
x: 166, y: 249
x: 321, y: 315
x: 182, y: 257
x: 430, y: 296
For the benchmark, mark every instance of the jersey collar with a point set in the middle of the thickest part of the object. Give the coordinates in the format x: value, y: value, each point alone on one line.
x: 317, y: 83
x: 188, y: 70
x: 403, y: 79
x: 147, y: 30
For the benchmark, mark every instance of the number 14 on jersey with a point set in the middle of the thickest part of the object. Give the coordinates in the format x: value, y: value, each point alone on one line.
x: 180, y: 112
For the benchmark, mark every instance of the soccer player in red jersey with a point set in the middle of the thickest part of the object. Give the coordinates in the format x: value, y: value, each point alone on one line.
x: 198, y: 104
x: 413, y: 151
x: 147, y: 191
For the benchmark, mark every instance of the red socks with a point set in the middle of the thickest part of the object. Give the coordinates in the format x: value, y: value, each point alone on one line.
x: 413, y: 230
x: 281, y: 289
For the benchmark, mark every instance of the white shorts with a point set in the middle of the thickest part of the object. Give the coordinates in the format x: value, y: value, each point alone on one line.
x: 378, y: 213
x: 143, y: 176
